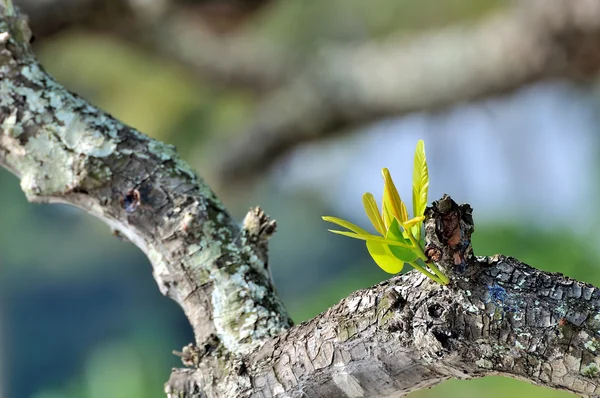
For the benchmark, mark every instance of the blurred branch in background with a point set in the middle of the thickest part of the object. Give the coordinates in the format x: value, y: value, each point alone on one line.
x: 51, y: 17
x: 347, y: 86
x: 202, y: 35
x: 340, y: 86
x: 243, y: 61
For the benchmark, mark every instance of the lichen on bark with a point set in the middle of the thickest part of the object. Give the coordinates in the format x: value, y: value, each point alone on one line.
x: 66, y: 150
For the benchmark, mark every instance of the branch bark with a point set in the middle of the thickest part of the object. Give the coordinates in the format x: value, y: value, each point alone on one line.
x: 348, y: 86
x: 65, y: 150
x: 498, y: 316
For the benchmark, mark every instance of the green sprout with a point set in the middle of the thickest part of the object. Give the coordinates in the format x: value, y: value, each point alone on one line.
x: 400, y: 240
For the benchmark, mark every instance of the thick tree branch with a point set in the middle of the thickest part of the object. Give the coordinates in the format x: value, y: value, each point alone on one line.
x: 498, y: 316
x: 347, y: 86
x: 65, y: 150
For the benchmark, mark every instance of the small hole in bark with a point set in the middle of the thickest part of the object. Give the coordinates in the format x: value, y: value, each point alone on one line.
x: 395, y: 327
x: 435, y: 310
x: 442, y: 337
x: 80, y: 190
x: 131, y: 200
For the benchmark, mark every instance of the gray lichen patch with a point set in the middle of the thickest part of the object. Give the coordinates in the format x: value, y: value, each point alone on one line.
x: 590, y: 370
x: 46, y: 168
x: 241, y: 319
x: 51, y: 143
x: 79, y: 137
x: 167, y: 152
x: 592, y: 345
x: 245, y: 310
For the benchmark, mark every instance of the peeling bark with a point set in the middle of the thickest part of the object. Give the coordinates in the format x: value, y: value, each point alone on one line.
x: 497, y: 316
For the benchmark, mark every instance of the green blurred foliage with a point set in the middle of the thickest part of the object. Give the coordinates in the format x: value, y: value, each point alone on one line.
x: 304, y: 25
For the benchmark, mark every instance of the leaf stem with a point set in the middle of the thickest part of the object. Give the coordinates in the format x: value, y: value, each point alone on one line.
x: 439, y: 273
x: 441, y: 278
x: 427, y: 273
x: 416, y: 244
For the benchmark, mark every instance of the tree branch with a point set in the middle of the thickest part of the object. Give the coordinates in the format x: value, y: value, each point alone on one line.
x: 347, y: 86
x: 65, y: 150
x: 236, y: 60
x: 498, y: 316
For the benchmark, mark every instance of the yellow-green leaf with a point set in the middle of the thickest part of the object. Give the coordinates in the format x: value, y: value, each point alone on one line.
x: 420, y: 184
x: 384, y: 258
x: 388, y: 216
x: 345, y: 224
x: 416, y: 231
x: 373, y: 212
x: 404, y: 211
x: 406, y: 253
x: 391, y: 198
x: 374, y: 238
x: 420, y: 180
x: 412, y: 222
x: 413, y: 226
x: 394, y: 231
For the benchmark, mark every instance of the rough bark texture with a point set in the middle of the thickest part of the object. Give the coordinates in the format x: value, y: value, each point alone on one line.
x: 497, y: 316
x: 65, y: 150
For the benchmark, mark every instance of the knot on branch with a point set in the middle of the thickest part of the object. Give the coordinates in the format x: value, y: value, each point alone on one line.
x: 258, y: 226
x: 448, y: 229
x: 191, y: 355
x: 257, y: 230
x: 15, y: 29
x: 433, y: 325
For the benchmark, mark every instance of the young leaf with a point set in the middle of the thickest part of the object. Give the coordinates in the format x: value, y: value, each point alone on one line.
x: 384, y: 258
x: 373, y: 212
x: 388, y: 215
x: 420, y: 184
x: 391, y: 198
x: 394, y: 231
x: 372, y: 238
x: 412, y: 222
x: 404, y: 253
x: 404, y: 211
x: 420, y: 180
x: 345, y: 224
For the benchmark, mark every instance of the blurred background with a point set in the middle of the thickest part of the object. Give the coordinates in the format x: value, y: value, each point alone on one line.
x: 296, y: 106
